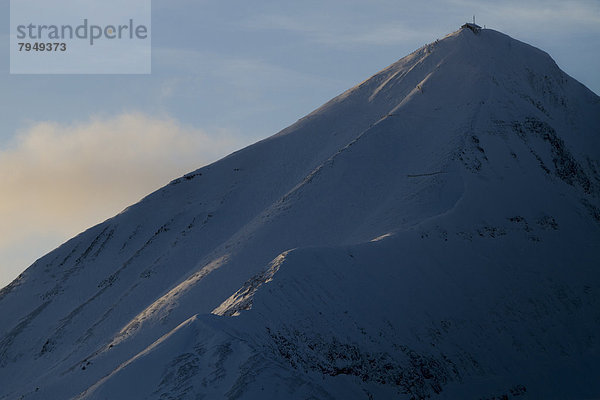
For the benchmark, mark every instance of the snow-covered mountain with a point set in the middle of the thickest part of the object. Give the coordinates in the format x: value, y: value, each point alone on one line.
x: 432, y: 232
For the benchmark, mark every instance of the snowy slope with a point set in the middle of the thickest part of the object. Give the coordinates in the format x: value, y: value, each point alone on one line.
x: 433, y: 231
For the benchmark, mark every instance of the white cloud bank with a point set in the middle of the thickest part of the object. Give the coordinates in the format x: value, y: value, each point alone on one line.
x: 57, y: 180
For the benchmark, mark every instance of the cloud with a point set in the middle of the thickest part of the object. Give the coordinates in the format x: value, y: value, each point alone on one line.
x: 389, y: 23
x: 340, y: 34
x: 544, y: 15
x: 243, y: 75
x: 59, y: 179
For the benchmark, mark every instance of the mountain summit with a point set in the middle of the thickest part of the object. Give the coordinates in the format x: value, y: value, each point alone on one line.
x: 430, y: 233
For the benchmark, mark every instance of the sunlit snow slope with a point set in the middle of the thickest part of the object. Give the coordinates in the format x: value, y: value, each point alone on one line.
x: 431, y: 232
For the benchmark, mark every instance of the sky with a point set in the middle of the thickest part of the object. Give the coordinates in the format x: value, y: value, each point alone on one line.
x: 77, y: 149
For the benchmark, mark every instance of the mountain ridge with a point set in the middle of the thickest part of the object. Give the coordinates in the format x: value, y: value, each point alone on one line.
x: 473, y: 152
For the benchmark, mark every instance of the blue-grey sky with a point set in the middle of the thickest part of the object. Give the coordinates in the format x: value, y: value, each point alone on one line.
x: 76, y: 149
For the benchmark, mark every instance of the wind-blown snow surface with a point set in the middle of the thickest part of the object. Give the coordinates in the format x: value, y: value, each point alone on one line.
x: 433, y: 231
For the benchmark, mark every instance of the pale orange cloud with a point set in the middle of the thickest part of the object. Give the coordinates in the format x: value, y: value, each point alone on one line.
x: 57, y: 180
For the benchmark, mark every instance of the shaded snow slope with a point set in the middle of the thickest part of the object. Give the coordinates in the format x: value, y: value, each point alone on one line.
x: 432, y: 231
